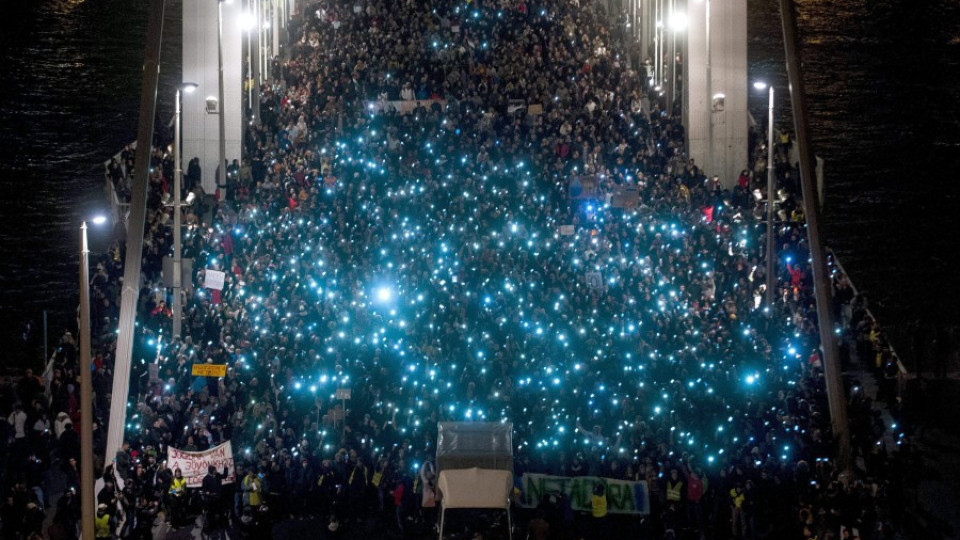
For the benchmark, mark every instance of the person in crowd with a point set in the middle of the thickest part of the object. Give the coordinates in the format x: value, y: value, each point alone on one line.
x: 252, y: 487
x: 104, y: 523
x: 177, y: 498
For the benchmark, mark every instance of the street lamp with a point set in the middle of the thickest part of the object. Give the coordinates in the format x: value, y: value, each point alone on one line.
x: 677, y: 23
x: 188, y: 88
x: 771, y: 192
x: 87, y: 500
x: 708, y: 167
x: 222, y: 167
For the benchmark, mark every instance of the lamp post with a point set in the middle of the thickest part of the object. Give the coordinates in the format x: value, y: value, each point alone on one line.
x: 87, y: 499
x: 247, y: 23
x: 771, y: 193
x: 222, y: 167
x: 708, y: 166
x: 177, y: 186
x: 657, y: 42
x: 677, y: 23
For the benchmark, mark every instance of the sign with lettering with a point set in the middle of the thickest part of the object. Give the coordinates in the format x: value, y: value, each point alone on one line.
x: 214, y: 279
x: 342, y: 393
x: 623, y: 496
x: 194, y: 465
x: 209, y: 370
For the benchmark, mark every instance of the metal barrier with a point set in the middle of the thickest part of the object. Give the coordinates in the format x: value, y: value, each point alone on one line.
x: 902, y: 373
x: 118, y: 208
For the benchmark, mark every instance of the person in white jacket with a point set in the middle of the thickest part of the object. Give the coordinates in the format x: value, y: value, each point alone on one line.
x: 59, y: 425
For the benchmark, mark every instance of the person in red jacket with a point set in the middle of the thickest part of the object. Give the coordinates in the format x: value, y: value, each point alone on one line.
x: 797, y: 275
x: 696, y: 488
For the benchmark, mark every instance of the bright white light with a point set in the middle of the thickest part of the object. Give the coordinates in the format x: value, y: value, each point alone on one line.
x: 384, y: 294
x: 247, y: 20
x: 678, y: 22
x: 760, y: 85
x: 99, y: 220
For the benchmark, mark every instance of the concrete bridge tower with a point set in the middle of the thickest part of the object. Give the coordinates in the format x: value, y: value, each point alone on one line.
x: 715, y: 87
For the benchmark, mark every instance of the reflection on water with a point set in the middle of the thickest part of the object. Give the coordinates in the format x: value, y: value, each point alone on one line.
x: 880, y: 78
x: 68, y: 101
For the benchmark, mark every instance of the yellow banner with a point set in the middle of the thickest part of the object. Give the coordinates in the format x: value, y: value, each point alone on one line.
x: 210, y: 370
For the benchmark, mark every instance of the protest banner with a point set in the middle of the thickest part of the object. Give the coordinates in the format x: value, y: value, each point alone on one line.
x: 623, y: 496
x: 402, y: 107
x: 194, y: 465
x: 567, y: 230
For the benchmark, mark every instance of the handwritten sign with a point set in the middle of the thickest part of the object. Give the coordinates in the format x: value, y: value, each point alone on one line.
x: 567, y: 230
x: 194, y: 465
x: 209, y: 370
x: 623, y: 497
x: 342, y: 393
x: 213, y: 279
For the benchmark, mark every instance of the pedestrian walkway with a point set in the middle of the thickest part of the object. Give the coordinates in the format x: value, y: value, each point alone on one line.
x: 929, y: 406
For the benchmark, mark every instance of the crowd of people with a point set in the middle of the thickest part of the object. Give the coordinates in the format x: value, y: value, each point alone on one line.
x: 469, y: 211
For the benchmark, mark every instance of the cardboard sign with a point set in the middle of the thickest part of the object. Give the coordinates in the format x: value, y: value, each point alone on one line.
x: 625, y: 197
x: 566, y: 230
x: 194, y: 465
x: 342, y: 393
x: 583, y: 187
x: 209, y: 370
x: 213, y: 279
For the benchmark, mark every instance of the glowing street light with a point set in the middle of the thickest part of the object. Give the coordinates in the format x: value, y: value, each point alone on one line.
x: 771, y: 191
x: 87, y: 499
x: 678, y: 21
x: 184, y: 88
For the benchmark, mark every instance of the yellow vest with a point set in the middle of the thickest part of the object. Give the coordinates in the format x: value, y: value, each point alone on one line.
x: 737, y: 498
x: 673, y: 491
x: 377, y: 476
x: 598, y: 505
x: 101, y: 526
x: 354, y: 472
x: 178, y: 484
x: 251, y: 488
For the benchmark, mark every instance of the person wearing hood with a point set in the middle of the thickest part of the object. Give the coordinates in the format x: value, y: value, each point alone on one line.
x: 60, y: 424
x: 32, y: 520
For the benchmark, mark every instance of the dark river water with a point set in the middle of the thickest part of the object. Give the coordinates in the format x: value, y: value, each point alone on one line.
x: 882, y: 78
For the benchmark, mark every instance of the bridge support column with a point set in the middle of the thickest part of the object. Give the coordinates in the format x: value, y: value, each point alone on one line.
x: 201, y: 133
x: 715, y: 87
